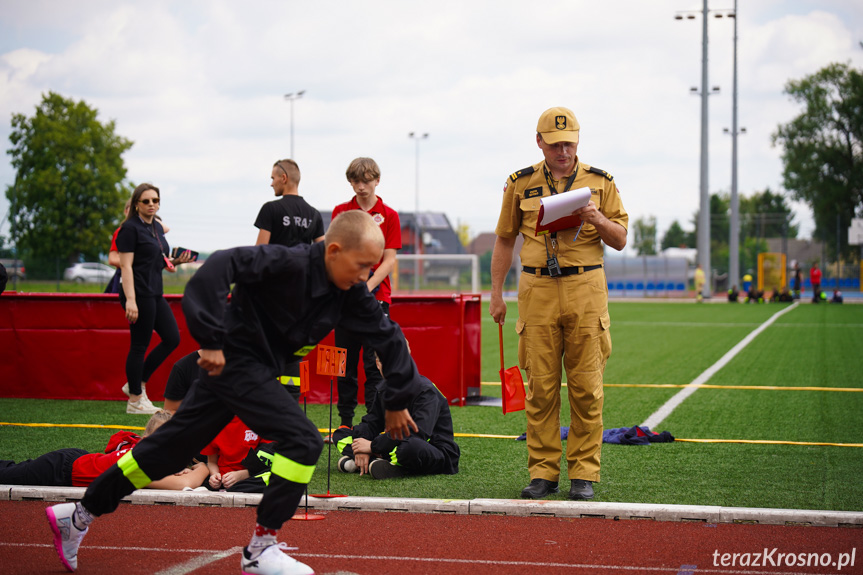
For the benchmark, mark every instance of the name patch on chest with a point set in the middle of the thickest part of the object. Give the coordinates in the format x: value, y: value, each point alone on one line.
x: 533, y: 193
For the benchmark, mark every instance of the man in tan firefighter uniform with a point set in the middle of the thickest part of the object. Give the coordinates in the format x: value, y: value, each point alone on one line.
x: 562, y: 303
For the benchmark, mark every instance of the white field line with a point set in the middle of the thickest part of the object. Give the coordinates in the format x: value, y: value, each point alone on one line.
x: 536, y: 565
x: 663, y: 412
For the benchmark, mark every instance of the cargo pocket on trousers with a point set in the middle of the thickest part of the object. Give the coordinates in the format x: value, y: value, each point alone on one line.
x: 522, y: 347
x: 604, y: 347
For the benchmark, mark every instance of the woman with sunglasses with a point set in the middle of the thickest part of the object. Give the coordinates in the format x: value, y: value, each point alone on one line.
x: 143, y: 254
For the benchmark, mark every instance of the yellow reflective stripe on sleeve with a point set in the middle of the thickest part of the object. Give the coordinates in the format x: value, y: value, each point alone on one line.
x: 289, y: 380
x: 291, y: 470
x: 340, y: 446
x: 133, y: 473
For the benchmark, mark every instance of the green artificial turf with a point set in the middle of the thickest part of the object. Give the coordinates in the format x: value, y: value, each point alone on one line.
x: 654, y: 343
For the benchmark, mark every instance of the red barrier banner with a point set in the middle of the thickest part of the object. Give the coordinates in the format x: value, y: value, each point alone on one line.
x: 74, y: 346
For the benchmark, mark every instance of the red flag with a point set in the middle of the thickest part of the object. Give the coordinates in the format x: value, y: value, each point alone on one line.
x: 304, y: 378
x: 511, y: 383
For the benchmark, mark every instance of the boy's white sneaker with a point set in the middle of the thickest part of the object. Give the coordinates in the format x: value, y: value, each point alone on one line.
x: 272, y: 561
x: 347, y: 465
x: 67, y: 537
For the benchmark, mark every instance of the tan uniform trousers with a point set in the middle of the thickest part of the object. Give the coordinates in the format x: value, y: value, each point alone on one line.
x: 564, y: 317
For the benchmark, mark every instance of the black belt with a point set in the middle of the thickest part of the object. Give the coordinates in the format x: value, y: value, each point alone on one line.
x: 564, y: 271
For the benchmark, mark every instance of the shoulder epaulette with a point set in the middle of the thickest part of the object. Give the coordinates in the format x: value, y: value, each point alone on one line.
x: 603, y: 173
x: 522, y: 172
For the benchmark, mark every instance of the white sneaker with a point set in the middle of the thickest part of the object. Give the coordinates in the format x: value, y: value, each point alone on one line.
x: 125, y: 389
x: 272, y: 561
x: 347, y: 465
x: 141, y: 407
x: 67, y: 537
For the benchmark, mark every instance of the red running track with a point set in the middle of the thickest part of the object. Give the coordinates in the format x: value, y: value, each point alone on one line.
x: 146, y: 539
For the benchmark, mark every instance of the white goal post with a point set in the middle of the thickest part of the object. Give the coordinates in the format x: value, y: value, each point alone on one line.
x: 458, y: 273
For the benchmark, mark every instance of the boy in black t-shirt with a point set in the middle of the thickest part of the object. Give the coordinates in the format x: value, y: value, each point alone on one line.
x: 288, y: 221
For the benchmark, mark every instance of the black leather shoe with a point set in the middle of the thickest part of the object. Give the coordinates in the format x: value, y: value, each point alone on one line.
x: 539, y: 488
x: 580, y: 490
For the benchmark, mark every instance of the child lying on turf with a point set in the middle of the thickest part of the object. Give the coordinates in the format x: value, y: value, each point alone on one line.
x: 225, y: 456
x: 73, y: 467
x: 429, y: 451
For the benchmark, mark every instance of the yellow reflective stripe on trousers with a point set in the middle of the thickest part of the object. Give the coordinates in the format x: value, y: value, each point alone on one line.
x: 133, y: 473
x: 393, y: 457
x: 291, y: 470
x: 289, y: 380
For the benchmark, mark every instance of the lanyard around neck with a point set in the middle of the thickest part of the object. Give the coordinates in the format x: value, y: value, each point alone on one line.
x: 550, y: 180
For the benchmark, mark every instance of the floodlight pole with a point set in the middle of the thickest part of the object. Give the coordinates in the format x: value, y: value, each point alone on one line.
x: 290, y: 98
x: 416, y: 137
x: 734, y: 232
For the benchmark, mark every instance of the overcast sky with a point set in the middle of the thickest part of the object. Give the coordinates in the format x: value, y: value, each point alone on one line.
x: 199, y: 87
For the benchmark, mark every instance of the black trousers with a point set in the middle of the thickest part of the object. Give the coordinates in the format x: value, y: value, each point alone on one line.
x: 154, y: 313
x: 348, y: 385
x: 54, y: 469
x: 247, y: 389
x: 415, y: 455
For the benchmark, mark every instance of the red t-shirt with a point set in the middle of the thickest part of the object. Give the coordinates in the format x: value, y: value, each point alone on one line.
x: 232, y: 445
x: 815, y: 276
x: 88, y: 467
x: 388, y: 219
x: 114, y: 240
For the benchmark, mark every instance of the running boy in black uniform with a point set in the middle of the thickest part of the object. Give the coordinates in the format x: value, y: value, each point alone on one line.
x: 285, y: 300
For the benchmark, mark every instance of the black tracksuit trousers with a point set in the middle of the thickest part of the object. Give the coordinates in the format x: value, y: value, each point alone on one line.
x: 250, y: 390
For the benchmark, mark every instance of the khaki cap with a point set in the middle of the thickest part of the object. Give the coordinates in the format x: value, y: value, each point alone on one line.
x: 558, y: 125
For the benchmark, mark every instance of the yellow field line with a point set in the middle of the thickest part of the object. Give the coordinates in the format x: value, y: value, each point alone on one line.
x: 711, y: 386
x: 81, y: 425
x: 473, y: 435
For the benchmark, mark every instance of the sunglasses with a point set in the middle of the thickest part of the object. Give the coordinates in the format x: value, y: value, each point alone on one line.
x: 147, y: 201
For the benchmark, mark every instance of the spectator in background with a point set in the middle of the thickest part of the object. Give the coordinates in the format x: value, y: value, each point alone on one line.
x: 747, y: 281
x: 699, y: 283
x: 183, y: 373
x: 732, y: 294
x: 288, y: 221
x: 815, y: 279
x: 798, y: 280
x: 4, y: 277
x: 837, y: 297
x: 364, y: 175
x: 143, y: 255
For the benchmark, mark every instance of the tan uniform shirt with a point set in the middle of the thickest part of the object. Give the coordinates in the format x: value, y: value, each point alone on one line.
x: 520, y: 211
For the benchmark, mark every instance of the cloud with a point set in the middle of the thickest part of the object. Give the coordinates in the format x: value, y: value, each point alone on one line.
x: 199, y: 86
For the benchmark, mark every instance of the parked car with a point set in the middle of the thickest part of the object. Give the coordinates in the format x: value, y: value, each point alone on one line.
x: 88, y: 272
x: 14, y: 268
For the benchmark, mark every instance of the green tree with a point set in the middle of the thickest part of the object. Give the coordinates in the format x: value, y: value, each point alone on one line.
x: 70, y: 183
x: 644, y: 236
x: 676, y: 237
x: 823, y: 149
x: 766, y: 215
